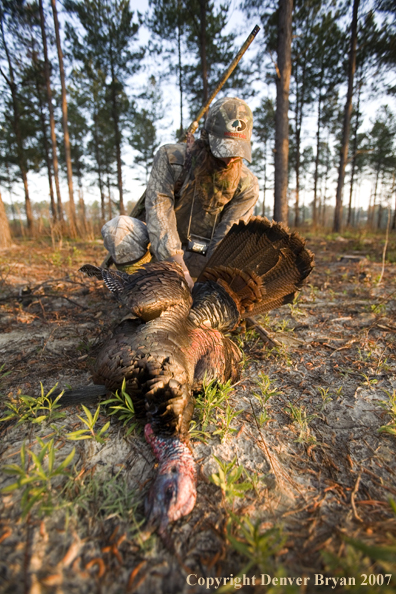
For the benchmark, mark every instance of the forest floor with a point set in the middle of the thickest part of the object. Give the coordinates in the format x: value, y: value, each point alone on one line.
x: 296, y: 480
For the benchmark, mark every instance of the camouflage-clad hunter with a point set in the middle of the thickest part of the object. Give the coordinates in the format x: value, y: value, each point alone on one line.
x: 194, y: 195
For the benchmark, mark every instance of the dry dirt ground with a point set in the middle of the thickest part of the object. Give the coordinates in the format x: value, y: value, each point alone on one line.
x: 310, y: 480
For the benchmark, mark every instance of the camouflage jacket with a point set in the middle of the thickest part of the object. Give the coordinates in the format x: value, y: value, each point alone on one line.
x: 168, y: 219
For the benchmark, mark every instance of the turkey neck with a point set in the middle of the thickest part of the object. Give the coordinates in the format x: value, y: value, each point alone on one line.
x: 173, y: 493
x: 168, y: 450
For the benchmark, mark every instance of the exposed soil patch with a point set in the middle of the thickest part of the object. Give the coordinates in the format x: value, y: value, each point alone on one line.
x: 318, y: 467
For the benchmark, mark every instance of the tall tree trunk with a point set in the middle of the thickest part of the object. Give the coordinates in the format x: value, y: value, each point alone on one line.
x: 282, y: 108
x: 372, y: 216
x: 354, y: 153
x: 354, y: 206
x: 10, y: 80
x: 81, y: 210
x: 109, y: 193
x: 297, y: 201
x: 300, y: 103
x: 180, y: 66
x: 202, y: 41
x: 99, y: 166
x: 72, y: 208
x: 369, y: 209
x: 117, y: 133
x: 379, y: 221
x: 5, y: 233
x: 44, y: 132
x: 102, y: 199
x: 264, y: 176
x: 47, y: 161
x: 380, y: 207
x: 9, y: 188
x: 51, y: 114
x: 318, y: 206
x: 317, y: 157
x: 347, y: 120
x: 326, y: 181
x: 316, y: 174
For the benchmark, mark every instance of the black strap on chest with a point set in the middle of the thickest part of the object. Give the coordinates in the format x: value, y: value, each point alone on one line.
x: 181, y: 179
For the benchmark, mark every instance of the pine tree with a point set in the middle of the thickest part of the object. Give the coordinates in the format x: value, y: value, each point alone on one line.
x: 282, y: 109
x: 143, y: 128
x: 66, y: 139
x: 211, y: 50
x: 199, y: 26
x: 347, y: 119
x: 101, y: 145
x: 34, y: 98
x: 360, y: 159
x: 11, y: 21
x: 382, y: 155
x: 9, y: 171
x: 264, y: 132
x: 5, y: 233
x: 47, y: 75
x: 276, y: 19
x: 108, y: 29
x: 37, y: 72
x: 78, y: 130
x: 328, y: 71
x: 167, y: 22
x: 305, y: 17
x: 356, y: 115
x: 385, y: 46
x: 366, y: 65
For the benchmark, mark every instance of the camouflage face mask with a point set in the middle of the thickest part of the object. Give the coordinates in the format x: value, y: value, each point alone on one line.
x: 213, y: 182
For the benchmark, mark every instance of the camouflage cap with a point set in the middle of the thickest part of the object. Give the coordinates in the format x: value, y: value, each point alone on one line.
x: 125, y: 238
x: 229, y: 124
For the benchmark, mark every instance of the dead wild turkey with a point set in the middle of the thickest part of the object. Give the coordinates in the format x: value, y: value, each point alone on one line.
x: 176, y: 338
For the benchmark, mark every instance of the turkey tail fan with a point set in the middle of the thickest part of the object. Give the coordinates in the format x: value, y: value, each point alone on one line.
x: 260, y: 264
x: 241, y: 244
x: 253, y: 246
x: 245, y: 287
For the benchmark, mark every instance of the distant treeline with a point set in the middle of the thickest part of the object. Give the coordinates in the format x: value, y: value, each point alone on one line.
x: 72, y: 100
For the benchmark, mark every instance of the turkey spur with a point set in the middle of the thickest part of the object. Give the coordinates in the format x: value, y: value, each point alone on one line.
x: 176, y: 338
